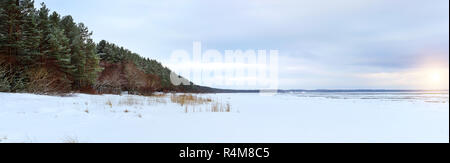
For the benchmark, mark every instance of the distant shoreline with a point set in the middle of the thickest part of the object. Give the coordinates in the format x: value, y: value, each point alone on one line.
x: 326, y: 91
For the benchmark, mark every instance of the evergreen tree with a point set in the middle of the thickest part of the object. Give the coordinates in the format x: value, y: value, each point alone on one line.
x: 29, y: 34
x: 43, y: 52
x: 88, y: 61
x: 19, y: 39
x: 61, y: 46
x: 92, y: 67
x: 54, y: 45
x: 72, y: 34
x: 4, y: 28
x: 11, y: 19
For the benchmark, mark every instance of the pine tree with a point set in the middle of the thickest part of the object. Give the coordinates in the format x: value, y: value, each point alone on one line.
x: 45, y: 51
x: 92, y: 63
x: 18, y: 40
x: 101, y: 49
x: 61, y: 45
x: 72, y: 33
x: 30, y: 34
x: 3, y: 29
x: 44, y: 26
x: 54, y: 45
x: 10, y: 31
x: 49, y: 69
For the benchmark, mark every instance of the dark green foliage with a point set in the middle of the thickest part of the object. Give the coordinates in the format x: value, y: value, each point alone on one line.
x: 19, y: 39
x: 45, y: 47
x: 44, y: 53
x: 54, y: 48
x: 5, y: 85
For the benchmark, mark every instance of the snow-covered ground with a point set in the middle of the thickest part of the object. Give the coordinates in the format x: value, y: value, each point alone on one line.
x: 291, y: 118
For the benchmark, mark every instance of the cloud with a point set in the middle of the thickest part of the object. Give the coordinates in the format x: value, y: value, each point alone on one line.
x: 318, y: 40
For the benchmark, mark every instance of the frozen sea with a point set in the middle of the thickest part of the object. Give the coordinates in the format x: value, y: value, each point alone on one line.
x: 290, y: 117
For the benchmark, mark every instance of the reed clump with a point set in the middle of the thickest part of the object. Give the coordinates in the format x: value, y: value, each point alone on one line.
x: 189, y: 99
x: 130, y: 101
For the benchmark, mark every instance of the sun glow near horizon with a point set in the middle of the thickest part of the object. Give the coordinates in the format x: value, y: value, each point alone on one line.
x: 424, y: 78
x: 436, y: 78
x: 434, y: 74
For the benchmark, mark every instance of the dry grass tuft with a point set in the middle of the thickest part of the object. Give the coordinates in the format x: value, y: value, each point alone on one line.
x: 189, y: 100
x: 228, y: 108
x: 130, y: 101
x: 109, y: 103
x: 157, y: 99
x: 158, y: 95
x: 220, y: 107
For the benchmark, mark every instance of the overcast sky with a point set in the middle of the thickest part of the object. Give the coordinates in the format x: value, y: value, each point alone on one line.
x: 323, y: 44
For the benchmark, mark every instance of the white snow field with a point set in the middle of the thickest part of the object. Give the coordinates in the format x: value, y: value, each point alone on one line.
x: 254, y: 118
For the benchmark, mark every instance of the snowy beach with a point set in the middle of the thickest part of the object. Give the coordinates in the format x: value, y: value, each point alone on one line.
x: 298, y: 117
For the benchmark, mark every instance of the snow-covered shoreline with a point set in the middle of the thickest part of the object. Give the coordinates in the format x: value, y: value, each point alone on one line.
x: 291, y: 118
